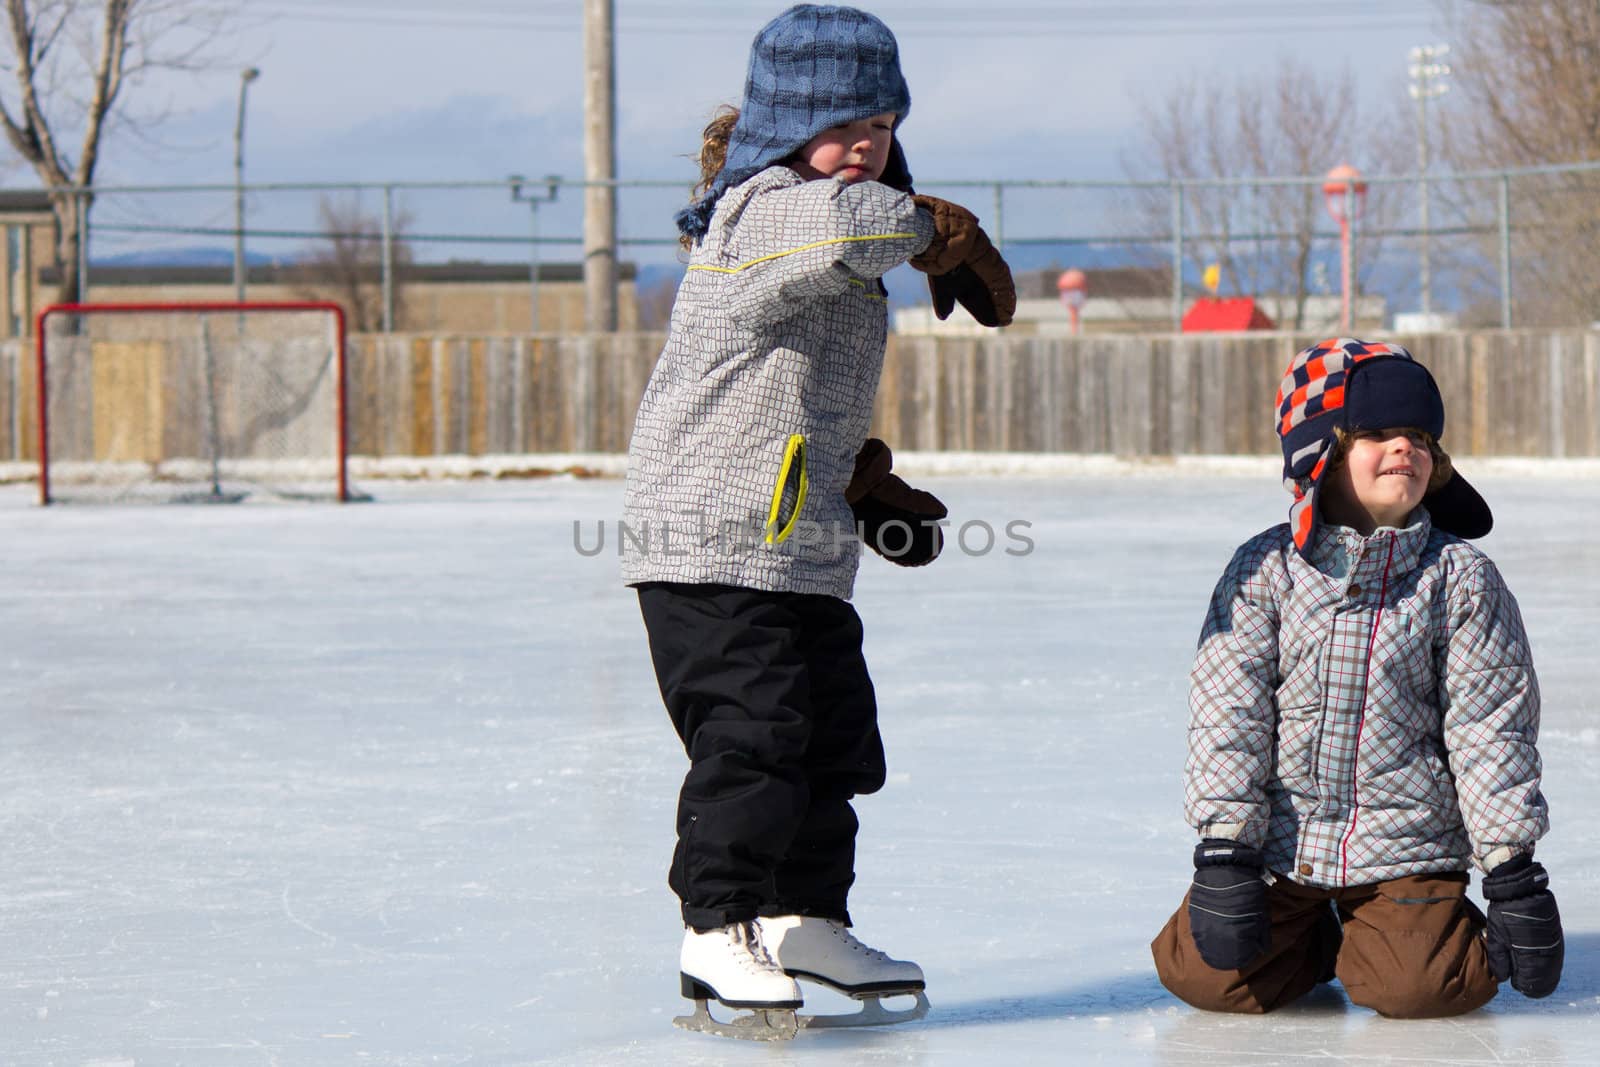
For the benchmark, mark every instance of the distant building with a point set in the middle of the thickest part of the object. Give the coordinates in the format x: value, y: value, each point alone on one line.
x: 1120, y: 300
x: 1124, y: 300
x: 30, y: 238
x: 1225, y: 314
x: 455, y: 297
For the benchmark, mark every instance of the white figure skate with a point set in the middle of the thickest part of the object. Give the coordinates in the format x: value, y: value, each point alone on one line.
x: 824, y: 951
x: 732, y: 966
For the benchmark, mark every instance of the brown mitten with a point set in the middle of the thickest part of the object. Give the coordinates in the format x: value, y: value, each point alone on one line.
x: 963, y: 265
x: 982, y: 285
x: 873, y: 463
x: 895, y: 520
x: 953, y: 229
x: 900, y: 523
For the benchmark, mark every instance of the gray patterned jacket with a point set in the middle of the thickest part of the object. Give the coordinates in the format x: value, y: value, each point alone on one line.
x: 748, y: 430
x: 1369, y: 726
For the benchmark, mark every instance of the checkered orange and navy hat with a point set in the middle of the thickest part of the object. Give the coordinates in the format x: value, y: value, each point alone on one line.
x: 1343, y: 383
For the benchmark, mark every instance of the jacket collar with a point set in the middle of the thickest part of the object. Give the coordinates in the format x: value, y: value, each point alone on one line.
x: 1344, y: 553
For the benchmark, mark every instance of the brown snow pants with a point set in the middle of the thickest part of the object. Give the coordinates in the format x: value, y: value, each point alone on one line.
x: 1412, y: 948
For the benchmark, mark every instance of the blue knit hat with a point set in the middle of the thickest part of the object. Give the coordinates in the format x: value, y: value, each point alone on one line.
x: 812, y: 68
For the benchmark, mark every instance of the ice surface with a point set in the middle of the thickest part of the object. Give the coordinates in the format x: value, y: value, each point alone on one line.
x: 391, y: 784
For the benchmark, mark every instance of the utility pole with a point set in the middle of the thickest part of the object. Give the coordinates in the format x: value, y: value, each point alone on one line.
x: 600, y: 167
x: 1427, y: 82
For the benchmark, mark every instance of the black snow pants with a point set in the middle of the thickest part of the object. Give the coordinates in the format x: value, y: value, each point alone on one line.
x: 769, y: 693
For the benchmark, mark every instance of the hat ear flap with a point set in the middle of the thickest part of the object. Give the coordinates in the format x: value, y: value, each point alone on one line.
x: 1305, y: 513
x: 1456, y: 507
x: 896, y: 175
x: 1310, y: 457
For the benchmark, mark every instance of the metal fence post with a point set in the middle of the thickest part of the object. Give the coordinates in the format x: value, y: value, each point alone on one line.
x: 1177, y: 256
x: 533, y: 266
x: 1505, y: 251
x: 999, y: 216
x: 1352, y: 285
x: 83, y: 246
x: 388, y: 259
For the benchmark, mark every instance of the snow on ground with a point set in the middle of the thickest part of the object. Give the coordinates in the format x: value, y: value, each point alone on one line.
x: 391, y: 784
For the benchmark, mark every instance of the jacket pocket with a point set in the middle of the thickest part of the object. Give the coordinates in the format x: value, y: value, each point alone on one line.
x: 1301, y: 722
x: 1404, y: 652
x: 1299, y: 743
x: 789, y: 492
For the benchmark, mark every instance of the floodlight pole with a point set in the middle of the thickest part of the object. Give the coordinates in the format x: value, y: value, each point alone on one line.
x: 1344, y: 192
x: 246, y: 76
x: 1073, y: 288
x: 552, y: 183
x: 1427, y: 81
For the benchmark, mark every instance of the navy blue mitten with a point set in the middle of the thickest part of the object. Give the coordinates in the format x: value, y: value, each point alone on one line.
x: 1524, y: 932
x: 1228, y: 904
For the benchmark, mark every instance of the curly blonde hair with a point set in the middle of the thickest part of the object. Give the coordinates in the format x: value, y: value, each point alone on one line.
x: 712, y: 155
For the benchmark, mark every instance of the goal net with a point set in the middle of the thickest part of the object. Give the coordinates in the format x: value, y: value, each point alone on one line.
x: 191, y: 402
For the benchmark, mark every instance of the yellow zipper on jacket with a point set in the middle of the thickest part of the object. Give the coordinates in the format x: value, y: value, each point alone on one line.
x: 779, y: 525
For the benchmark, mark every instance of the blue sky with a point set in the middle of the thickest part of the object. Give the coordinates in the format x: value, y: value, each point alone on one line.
x: 474, y: 90
x: 402, y: 88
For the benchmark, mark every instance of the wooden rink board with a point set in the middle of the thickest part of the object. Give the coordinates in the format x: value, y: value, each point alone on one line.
x: 1507, y: 393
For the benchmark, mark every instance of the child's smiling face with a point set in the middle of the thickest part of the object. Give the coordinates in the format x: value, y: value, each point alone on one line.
x: 1381, y: 480
x: 854, y: 152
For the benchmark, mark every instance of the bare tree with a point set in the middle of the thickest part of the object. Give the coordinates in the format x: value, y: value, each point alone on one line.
x: 1298, y: 121
x: 346, y: 263
x: 70, y: 63
x: 1529, y: 81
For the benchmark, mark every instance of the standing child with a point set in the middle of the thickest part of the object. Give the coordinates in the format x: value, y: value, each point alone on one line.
x: 1364, y: 718
x: 748, y: 475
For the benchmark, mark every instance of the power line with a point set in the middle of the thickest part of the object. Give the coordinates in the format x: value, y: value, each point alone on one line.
x: 1195, y: 15
x: 1163, y: 19
x: 1019, y: 32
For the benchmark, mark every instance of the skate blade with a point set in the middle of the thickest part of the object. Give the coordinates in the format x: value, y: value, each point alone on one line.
x: 872, y: 1013
x: 761, y: 1024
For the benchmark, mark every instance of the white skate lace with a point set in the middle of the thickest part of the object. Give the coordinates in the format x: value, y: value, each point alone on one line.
x: 854, y: 943
x: 747, y: 935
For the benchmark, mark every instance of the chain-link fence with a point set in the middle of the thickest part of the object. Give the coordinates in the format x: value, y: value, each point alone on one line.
x: 1483, y: 249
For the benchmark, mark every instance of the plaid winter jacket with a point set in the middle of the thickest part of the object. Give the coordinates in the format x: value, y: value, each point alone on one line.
x: 1370, y: 726
x: 750, y: 423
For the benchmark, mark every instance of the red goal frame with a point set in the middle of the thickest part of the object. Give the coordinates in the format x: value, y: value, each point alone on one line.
x: 203, y: 306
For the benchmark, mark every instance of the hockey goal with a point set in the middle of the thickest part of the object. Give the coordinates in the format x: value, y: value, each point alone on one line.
x: 204, y: 402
